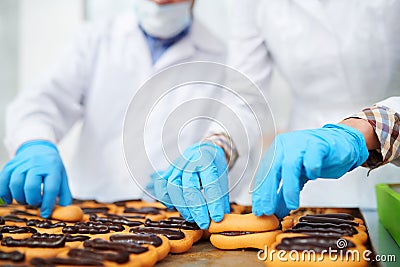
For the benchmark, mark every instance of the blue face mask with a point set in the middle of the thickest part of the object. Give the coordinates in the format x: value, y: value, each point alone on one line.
x: 163, y: 21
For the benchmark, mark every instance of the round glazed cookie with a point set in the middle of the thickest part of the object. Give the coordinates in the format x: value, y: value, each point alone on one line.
x: 68, y: 213
x: 244, y: 223
x: 236, y: 240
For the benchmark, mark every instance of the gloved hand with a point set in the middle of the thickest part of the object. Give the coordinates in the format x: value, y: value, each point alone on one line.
x: 296, y: 157
x: 202, y: 166
x: 35, y: 163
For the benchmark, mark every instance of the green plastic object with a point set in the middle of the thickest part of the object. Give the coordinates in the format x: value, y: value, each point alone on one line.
x: 388, y: 197
x: 1, y: 201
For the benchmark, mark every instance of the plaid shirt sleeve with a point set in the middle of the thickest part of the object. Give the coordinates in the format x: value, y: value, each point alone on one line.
x: 386, y: 124
x: 226, y: 143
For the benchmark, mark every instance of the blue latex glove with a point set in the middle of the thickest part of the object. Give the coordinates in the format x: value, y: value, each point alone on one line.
x: 296, y: 157
x: 202, y: 166
x: 35, y: 163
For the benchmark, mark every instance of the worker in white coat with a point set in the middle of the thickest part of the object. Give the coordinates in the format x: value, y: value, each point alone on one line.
x: 94, y: 81
x: 369, y: 138
x: 336, y: 56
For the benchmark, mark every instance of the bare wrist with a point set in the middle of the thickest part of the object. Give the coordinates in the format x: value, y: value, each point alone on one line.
x: 366, y: 129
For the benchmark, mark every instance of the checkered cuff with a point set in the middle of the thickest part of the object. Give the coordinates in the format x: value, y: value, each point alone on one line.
x: 225, y: 142
x: 386, y: 124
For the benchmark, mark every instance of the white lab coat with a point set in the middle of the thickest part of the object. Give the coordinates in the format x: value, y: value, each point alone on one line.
x: 337, y: 57
x: 95, y: 81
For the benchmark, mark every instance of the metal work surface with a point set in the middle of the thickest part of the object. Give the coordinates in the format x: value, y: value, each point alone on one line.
x: 381, y: 240
x: 204, y: 254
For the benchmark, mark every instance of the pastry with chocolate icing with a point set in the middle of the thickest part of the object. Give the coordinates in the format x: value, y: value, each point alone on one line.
x: 179, y: 241
x: 160, y: 243
x: 327, y: 239
x: 188, y: 228
x: 315, y: 251
x: 71, y: 213
x: 153, y: 213
x: 237, y: 231
x: 333, y: 224
x: 94, y: 207
x: 19, y: 232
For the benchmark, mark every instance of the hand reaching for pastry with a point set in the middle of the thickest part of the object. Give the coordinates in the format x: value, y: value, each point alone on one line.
x: 201, y: 168
x: 36, y: 176
x: 297, y: 157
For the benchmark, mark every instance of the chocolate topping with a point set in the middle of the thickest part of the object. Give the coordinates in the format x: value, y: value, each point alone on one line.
x: 14, y: 218
x: 102, y: 244
x: 82, y: 201
x: 234, y: 233
x: 45, y: 224
x: 122, y: 203
x: 343, y: 216
x: 14, y: 256
x: 320, y: 219
x: 342, y: 229
x: 144, y: 210
x: 317, y: 244
x: 320, y: 232
x: 22, y: 212
x: 17, y: 229
x: 126, y: 216
x: 75, y: 238
x: 36, y: 241
x: 115, y: 219
x: 169, y: 233
x: 93, y: 228
x: 118, y: 256
x: 140, y: 239
x: 95, y: 210
x: 172, y: 223
x: 65, y: 261
x: 176, y: 219
x: 2, y: 221
x: 30, y: 207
